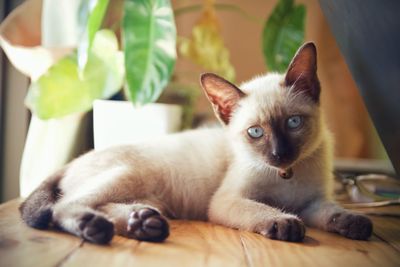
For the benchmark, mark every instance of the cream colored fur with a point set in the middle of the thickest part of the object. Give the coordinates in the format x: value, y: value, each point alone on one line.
x: 222, y: 175
x: 206, y: 174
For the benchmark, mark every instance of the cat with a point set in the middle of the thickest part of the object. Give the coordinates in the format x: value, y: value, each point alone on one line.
x: 267, y: 170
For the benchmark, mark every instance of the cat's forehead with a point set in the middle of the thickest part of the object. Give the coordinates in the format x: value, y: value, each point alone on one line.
x: 268, y: 96
x: 263, y: 84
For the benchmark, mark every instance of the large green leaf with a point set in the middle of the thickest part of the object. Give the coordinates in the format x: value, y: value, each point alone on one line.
x: 91, y: 15
x: 283, y: 34
x: 64, y: 89
x: 149, y: 40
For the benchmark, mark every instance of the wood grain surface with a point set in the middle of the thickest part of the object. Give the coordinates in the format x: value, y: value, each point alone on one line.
x: 197, y: 244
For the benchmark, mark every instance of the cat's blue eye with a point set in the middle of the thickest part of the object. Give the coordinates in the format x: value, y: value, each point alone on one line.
x: 255, y: 132
x: 294, y: 122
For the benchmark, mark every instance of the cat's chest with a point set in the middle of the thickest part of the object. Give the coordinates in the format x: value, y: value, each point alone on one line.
x: 287, y: 194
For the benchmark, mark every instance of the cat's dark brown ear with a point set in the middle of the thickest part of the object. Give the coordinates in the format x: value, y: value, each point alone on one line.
x: 222, y: 94
x: 302, y: 71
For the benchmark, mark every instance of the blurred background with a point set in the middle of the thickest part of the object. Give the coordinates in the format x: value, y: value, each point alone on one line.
x: 240, y: 25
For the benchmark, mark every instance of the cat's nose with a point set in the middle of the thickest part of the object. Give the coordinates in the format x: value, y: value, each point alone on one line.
x: 276, y: 156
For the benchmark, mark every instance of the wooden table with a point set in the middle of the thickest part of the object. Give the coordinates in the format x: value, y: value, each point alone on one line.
x: 197, y: 244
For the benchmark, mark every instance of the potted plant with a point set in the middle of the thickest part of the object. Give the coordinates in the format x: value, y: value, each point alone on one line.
x: 149, y: 46
x: 66, y: 81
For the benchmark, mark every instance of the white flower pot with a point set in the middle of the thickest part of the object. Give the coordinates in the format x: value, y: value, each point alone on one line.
x: 119, y: 122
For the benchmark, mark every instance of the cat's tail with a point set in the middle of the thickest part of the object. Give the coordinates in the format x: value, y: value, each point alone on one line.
x: 37, y: 209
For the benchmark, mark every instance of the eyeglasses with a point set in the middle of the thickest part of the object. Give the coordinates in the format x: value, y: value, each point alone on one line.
x: 372, y: 190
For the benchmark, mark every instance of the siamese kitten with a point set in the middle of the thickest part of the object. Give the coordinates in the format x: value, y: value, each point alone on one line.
x: 268, y: 170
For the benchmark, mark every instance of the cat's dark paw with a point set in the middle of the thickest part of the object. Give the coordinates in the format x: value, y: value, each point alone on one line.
x: 147, y: 225
x: 284, y: 228
x: 353, y: 226
x: 96, y: 229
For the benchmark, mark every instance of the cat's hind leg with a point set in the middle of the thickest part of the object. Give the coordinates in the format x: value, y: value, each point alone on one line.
x: 83, y: 221
x: 139, y: 221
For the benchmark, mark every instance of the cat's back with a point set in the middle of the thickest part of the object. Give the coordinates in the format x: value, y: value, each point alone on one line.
x: 199, y: 143
x: 176, y: 144
x: 201, y: 152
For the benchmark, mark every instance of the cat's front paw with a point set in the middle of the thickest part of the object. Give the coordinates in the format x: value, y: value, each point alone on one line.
x: 353, y: 226
x: 286, y: 228
x: 148, y: 225
x: 95, y: 228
